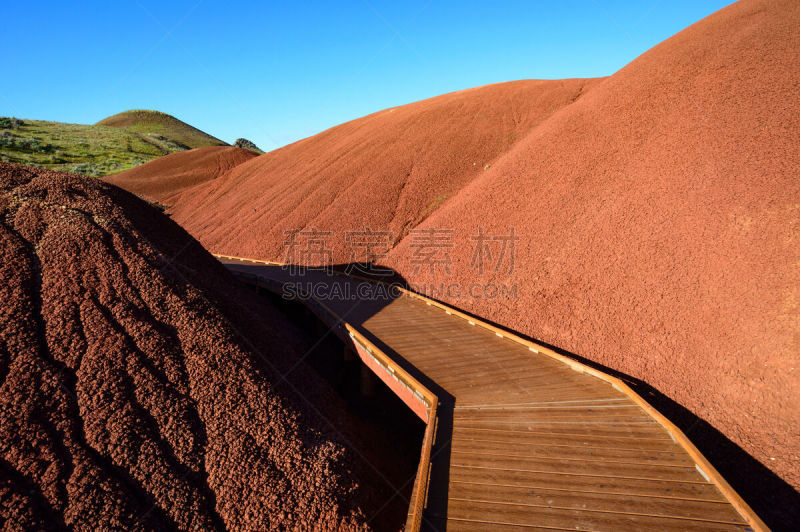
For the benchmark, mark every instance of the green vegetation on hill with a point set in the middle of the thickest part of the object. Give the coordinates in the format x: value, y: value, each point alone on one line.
x: 159, y: 126
x: 115, y: 144
x: 77, y: 148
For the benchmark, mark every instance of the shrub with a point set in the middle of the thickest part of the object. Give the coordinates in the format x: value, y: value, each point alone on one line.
x: 84, y: 168
x: 7, y: 140
x: 246, y: 144
x: 10, y: 123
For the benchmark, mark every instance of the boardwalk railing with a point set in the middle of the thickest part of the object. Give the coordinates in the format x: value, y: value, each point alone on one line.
x: 421, y: 400
x: 418, y: 503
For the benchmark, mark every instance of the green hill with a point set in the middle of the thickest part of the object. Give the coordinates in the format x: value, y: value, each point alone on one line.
x: 117, y: 143
x: 161, y: 127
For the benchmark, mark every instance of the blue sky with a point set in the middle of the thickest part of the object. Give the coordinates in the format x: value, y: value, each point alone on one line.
x: 275, y: 72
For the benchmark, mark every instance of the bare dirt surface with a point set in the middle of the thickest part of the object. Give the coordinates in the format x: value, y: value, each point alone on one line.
x: 387, y: 170
x: 140, y: 386
x: 161, y: 178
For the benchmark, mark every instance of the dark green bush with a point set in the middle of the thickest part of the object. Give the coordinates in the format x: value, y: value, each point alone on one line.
x: 10, y: 122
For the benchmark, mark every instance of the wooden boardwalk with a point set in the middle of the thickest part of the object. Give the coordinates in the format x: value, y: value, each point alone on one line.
x: 527, y: 441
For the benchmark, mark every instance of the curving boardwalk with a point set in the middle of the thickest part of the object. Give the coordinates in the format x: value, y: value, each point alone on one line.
x: 525, y: 439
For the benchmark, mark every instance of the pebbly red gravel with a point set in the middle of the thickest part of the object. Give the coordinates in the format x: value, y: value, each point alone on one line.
x: 161, y: 178
x: 139, y: 384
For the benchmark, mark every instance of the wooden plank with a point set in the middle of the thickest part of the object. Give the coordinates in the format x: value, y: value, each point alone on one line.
x: 497, y: 393
x: 533, y: 448
x: 574, y: 519
x: 544, y: 437
x: 587, y: 483
x: 599, y: 401
x: 649, y: 430
x: 616, y: 412
x: 606, y: 468
x: 714, y: 510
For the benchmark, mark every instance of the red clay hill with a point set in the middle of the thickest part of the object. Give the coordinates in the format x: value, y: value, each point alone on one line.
x: 162, y: 178
x: 138, y: 394
x: 386, y: 171
x: 657, y: 212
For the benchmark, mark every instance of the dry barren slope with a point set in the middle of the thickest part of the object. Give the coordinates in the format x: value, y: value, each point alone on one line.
x: 166, y: 176
x: 387, y: 170
x: 659, y: 226
x: 136, y: 392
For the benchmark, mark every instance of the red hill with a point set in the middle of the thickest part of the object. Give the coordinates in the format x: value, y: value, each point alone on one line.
x: 138, y: 393
x: 387, y: 170
x: 161, y: 178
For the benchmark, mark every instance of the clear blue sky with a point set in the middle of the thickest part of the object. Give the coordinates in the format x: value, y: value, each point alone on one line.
x: 275, y: 72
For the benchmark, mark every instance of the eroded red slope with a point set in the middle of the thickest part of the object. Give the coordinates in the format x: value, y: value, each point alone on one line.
x: 142, y: 388
x: 161, y: 178
x: 659, y: 227
x: 386, y: 171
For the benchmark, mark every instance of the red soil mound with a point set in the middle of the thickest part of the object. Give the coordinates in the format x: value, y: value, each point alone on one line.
x: 161, y: 178
x: 387, y: 170
x: 659, y: 227
x: 137, y: 393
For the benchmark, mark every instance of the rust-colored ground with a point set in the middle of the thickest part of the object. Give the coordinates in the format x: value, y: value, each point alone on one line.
x: 140, y: 386
x: 387, y: 171
x: 161, y: 178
